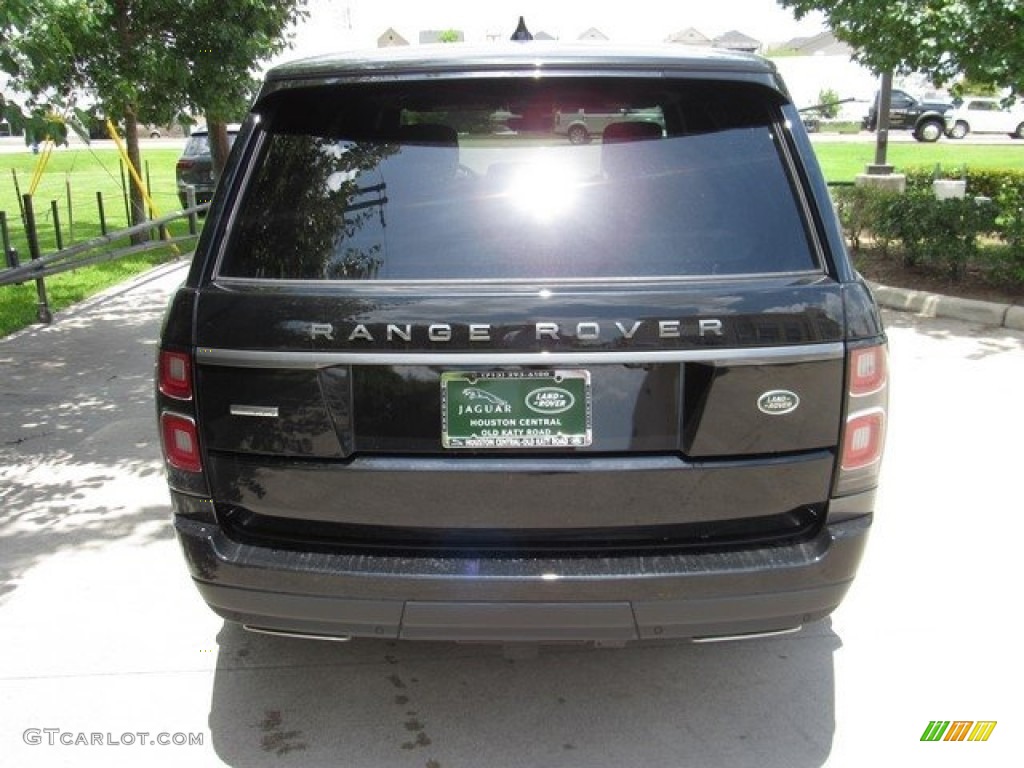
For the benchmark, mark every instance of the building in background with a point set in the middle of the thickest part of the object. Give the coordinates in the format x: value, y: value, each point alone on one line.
x: 689, y: 36
x: 735, y: 40
x: 391, y: 39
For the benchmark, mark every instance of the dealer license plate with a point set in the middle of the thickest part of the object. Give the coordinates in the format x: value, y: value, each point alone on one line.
x: 515, y: 409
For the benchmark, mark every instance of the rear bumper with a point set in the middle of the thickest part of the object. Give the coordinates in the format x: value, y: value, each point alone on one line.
x: 601, y: 599
x: 203, y: 191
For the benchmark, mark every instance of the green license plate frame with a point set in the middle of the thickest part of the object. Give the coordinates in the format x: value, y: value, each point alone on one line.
x: 520, y: 410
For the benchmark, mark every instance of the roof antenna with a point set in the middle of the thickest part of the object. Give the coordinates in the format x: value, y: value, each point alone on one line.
x: 522, y: 33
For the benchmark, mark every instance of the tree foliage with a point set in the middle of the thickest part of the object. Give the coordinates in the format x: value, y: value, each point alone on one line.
x: 944, y: 39
x: 13, y: 15
x: 219, y: 49
x: 968, y: 87
x: 64, y: 48
x: 829, y: 103
x: 217, y: 43
x: 145, y: 61
x: 39, y: 120
x: 150, y: 57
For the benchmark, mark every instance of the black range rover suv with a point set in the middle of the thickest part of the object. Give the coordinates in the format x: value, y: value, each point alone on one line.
x: 430, y: 377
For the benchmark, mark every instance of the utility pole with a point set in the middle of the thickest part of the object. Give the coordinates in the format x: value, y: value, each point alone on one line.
x: 880, y: 173
x: 880, y: 167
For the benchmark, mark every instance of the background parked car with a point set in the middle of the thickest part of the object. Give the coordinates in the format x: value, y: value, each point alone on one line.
x: 581, y: 125
x: 979, y: 114
x: 926, y: 118
x: 173, y: 130
x: 195, y: 166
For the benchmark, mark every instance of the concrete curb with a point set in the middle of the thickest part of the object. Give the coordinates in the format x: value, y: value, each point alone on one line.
x: 937, y: 305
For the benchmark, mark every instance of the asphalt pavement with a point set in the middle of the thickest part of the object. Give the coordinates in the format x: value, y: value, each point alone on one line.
x: 108, y: 649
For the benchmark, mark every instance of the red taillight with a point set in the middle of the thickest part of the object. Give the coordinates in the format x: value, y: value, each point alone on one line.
x: 181, y: 442
x: 175, y: 375
x: 863, y: 439
x: 867, y: 371
x: 184, y: 165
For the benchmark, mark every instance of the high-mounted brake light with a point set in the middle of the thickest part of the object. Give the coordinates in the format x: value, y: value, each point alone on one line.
x: 175, y: 375
x: 181, y: 442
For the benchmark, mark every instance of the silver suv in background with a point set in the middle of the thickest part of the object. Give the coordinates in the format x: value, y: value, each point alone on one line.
x: 581, y: 125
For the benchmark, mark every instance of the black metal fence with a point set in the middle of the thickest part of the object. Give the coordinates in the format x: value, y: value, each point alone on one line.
x: 93, y: 251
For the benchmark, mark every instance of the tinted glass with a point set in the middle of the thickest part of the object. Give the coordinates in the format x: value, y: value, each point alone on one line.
x: 478, y: 180
x: 197, y: 144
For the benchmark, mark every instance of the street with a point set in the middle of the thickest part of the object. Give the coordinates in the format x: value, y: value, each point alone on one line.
x: 104, y: 635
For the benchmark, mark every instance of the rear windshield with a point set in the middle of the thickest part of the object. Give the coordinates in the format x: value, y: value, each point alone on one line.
x: 508, y: 179
x: 199, y: 144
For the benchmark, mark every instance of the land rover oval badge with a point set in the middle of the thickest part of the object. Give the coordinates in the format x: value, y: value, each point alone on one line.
x: 778, y: 402
x: 550, y: 400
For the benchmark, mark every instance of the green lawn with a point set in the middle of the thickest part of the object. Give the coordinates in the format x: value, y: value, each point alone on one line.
x: 18, y: 302
x: 842, y: 161
x: 87, y: 171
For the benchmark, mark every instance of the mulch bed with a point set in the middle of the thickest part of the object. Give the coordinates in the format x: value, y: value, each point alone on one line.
x: 975, y: 284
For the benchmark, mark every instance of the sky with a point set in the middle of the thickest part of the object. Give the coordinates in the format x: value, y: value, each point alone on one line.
x: 346, y: 24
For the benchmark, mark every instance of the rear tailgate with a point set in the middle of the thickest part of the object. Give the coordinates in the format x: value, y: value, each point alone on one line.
x: 710, y: 413
x: 423, y: 329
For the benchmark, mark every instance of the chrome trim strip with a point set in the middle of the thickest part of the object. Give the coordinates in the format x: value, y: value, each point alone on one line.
x: 264, y: 411
x: 255, y: 358
x: 368, y: 285
x: 748, y: 636
x: 299, y: 635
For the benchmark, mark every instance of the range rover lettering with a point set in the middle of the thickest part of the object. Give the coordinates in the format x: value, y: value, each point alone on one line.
x: 430, y: 377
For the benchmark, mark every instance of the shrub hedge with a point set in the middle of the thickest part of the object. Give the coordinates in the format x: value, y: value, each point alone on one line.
x: 943, y: 233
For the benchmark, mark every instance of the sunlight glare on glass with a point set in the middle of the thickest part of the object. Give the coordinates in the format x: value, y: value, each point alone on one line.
x: 544, y: 191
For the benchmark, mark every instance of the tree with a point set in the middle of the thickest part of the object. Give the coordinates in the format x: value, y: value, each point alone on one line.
x: 146, y: 60
x: 109, y: 50
x: 968, y: 87
x: 828, y: 101
x: 944, y: 39
x: 13, y: 14
x: 218, y: 43
x: 40, y: 119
